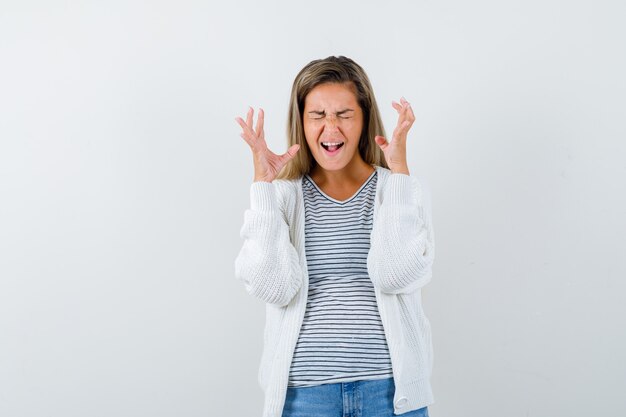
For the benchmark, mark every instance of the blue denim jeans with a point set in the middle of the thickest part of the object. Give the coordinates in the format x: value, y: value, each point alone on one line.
x: 345, y: 399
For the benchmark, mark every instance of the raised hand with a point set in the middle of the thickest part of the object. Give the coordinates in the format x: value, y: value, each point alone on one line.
x: 395, y: 151
x: 267, y: 164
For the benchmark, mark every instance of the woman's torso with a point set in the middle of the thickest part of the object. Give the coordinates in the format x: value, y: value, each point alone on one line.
x: 341, y: 338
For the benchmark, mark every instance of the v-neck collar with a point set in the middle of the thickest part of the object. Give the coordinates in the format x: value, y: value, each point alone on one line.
x: 349, y: 198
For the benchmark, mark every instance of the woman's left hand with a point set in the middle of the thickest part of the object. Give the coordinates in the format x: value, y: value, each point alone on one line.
x: 395, y: 151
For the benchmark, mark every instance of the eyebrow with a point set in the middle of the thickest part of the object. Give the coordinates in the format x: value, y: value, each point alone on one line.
x: 340, y: 112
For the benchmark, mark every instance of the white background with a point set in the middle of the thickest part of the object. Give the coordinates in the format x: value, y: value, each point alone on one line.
x: 123, y: 182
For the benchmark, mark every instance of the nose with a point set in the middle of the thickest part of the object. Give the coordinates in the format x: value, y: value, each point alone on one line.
x: 331, y: 122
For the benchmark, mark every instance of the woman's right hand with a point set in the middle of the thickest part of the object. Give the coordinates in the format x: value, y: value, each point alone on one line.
x: 267, y: 164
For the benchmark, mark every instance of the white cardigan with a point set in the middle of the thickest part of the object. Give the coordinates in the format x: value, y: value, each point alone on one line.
x: 273, y: 267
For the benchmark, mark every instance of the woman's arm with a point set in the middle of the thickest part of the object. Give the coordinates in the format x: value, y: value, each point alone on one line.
x: 402, y: 245
x: 268, y: 263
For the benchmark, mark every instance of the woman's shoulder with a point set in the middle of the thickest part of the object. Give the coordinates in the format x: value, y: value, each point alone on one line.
x: 419, y: 184
x: 384, y: 173
x: 287, y: 186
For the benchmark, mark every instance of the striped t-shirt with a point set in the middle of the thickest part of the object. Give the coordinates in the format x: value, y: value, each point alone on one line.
x: 342, y: 337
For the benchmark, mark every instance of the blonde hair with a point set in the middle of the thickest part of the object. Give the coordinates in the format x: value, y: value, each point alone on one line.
x: 332, y: 70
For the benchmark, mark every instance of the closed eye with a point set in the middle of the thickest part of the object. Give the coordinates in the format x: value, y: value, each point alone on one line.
x: 320, y: 117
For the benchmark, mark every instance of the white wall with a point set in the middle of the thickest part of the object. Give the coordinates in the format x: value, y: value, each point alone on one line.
x: 123, y: 182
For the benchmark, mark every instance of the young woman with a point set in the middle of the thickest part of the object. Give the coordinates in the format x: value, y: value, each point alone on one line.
x: 338, y: 242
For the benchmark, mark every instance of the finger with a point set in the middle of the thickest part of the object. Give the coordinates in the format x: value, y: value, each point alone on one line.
x: 409, y: 113
x: 291, y: 152
x: 249, y: 134
x: 249, y: 117
x: 248, y: 141
x: 400, y: 105
x: 401, y: 116
x: 259, y: 123
x: 406, y: 114
x: 402, y: 110
x: 382, y: 142
x: 293, y: 149
x: 408, y: 110
x: 400, y: 132
x: 244, y: 125
x: 401, y: 120
x: 241, y: 123
x: 404, y: 127
x: 405, y: 105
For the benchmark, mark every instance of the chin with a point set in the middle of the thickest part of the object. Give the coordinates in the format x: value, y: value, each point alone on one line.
x: 332, y: 165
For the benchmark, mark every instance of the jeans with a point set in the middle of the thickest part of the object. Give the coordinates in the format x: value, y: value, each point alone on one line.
x: 345, y: 399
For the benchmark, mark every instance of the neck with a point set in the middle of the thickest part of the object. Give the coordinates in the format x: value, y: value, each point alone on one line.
x: 354, y: 172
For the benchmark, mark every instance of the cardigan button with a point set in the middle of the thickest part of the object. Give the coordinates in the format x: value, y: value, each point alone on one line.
x: 401, y: 402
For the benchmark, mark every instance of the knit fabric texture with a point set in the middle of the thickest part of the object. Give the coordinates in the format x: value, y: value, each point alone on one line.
x: 272, y: 266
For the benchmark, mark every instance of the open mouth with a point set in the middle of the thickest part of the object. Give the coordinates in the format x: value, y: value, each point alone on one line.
x: 332, y: 146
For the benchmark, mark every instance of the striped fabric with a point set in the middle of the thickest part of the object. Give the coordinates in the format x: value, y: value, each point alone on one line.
x: 342, y: 338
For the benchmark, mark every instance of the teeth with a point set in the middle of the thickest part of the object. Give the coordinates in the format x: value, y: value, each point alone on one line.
x: 331, y: 143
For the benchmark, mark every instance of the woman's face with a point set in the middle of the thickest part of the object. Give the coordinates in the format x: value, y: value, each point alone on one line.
x: 333, y: 121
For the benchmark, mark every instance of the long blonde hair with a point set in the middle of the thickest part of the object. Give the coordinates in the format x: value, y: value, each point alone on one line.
x: 332, y: 70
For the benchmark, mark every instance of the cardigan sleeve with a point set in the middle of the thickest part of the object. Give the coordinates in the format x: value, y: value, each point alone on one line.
x: 402, y: 245
x: 267, y: 263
